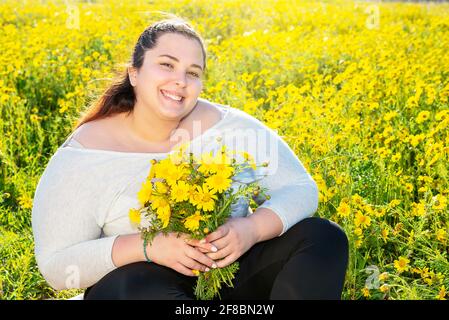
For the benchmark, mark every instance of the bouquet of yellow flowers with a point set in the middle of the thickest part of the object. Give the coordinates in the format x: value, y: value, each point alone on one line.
x: 195, y: 196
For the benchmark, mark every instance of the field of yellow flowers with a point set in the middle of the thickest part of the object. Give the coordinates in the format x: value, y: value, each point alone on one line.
x: 359, y: 90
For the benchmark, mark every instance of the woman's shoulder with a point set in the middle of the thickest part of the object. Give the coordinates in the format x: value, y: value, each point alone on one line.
x: 96, y: 134
x: 207, y: 112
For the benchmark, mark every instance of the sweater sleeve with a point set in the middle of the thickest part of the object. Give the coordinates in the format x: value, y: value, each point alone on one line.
x: 293, y: 192
x: 69, y: 250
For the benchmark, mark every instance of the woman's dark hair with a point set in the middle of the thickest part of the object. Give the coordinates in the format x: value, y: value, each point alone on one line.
x: 120, y: 96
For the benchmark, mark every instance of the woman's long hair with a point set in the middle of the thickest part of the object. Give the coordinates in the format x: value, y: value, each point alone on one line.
x: 120, y: 96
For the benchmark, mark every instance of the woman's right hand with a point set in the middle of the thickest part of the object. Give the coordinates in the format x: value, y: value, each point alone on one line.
x: 180, y: 253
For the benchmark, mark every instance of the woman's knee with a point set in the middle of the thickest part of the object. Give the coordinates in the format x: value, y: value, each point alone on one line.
x: 321, y: 231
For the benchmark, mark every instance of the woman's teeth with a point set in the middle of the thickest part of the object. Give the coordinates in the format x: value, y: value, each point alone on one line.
x: 171, y: 96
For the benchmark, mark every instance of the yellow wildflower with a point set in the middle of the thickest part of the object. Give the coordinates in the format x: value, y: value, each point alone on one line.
x: 380, y: 212
x: 383, y: 276
x: 365, y: 292
x: 25, y: 201
x: 218, y: 182
x: 180, y: 191
x: 343, y: 209
x: 223, y: 164
x: 384, y: 288
x: 204, y: 198
x: 167, y: 170
x: 415, y: 140
x: 441, y: 235
x: 384, y: 234
x: 442, y: 115
x: 249, y: 158
x: 161, y: 187
x: 408, y: 187
x: 423, y: 189
x: 390, y: 115
x: 440, y: 202
x: 196, y: 272
x: 401, y: 264
x: 162, y: 207
x: 442, y: 293
x: 396, y: 157
x: 423, y: 116
x: 418, y: 209
x: 134, y: 215
x: 393, y: 203
x: 207, y: 164
x: 193, y: 222
x: 361, y: 220
x: 145, y: 192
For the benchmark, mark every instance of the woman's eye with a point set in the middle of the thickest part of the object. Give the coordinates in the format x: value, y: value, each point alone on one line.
x: 196, y: 75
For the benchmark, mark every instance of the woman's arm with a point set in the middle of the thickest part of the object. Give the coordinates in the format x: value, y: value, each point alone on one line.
x: 127, y: 249
x: 293, y: 192
x: 267, y: 224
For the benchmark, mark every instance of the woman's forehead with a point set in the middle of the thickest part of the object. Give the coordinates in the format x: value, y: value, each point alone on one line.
x: 178, y: 46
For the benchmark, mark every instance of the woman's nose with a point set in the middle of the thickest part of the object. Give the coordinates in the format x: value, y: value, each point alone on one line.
x: 181, y: 79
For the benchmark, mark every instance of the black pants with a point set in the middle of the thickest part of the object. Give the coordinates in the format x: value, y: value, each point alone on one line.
x: 308, y: 261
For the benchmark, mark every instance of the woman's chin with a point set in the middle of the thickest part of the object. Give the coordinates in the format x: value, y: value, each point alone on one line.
x: 171, y: 112
x: 170, y: 107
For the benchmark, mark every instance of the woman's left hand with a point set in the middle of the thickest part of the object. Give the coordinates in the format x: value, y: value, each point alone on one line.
x: 232, y: 239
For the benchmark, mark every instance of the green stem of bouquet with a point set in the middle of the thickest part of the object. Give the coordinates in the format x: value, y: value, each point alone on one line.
x: 209, y: 284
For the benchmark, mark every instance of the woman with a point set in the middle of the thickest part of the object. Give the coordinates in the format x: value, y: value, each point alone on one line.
x: 83, y: 238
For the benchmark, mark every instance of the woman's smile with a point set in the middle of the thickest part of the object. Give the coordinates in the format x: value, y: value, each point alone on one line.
x: 171, y: 99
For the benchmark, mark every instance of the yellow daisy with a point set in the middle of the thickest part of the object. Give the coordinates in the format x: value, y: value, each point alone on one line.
x: 144, y: 194
x: 361, y: 220
x: 193, y: 222
x: 204, y: 198
x: 218, y: 182
x: 162, y: 207
x: 206, y: 163
x: 343, y: 209
x: 134, y: 216
x: 180, y: 191
x: 401, y: 264
x: 161, y: 187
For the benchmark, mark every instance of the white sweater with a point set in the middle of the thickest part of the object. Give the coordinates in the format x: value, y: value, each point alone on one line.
x: 83, y: 197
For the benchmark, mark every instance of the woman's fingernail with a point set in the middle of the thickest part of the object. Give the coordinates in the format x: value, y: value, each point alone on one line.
x: 214, y: 266
x: 214, y: 249
x: 207, y: 269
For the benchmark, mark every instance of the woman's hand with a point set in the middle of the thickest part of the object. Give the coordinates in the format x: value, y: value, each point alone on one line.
x: 232, y: 240
x: 178, y: 253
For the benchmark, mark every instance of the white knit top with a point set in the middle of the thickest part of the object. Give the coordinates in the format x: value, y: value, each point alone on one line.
x: 83, y: 197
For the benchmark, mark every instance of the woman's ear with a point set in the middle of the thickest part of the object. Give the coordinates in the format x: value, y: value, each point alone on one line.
x: 132, y: 74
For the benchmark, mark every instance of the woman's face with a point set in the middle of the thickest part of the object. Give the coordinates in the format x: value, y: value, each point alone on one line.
x: 170, y: 79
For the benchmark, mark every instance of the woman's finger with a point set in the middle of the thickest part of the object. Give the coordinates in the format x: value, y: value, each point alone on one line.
x: 184, y: 270
x: 201, y: 259
x: 221, y: 232
x: 226, y: 261
x: 220, y: 254
x: 203, y: 250
x: 193, y: 264
x: 208, y: 247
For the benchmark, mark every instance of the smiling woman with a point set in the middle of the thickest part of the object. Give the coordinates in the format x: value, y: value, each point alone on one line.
x: 80, y: 210
x: 160, y: 87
